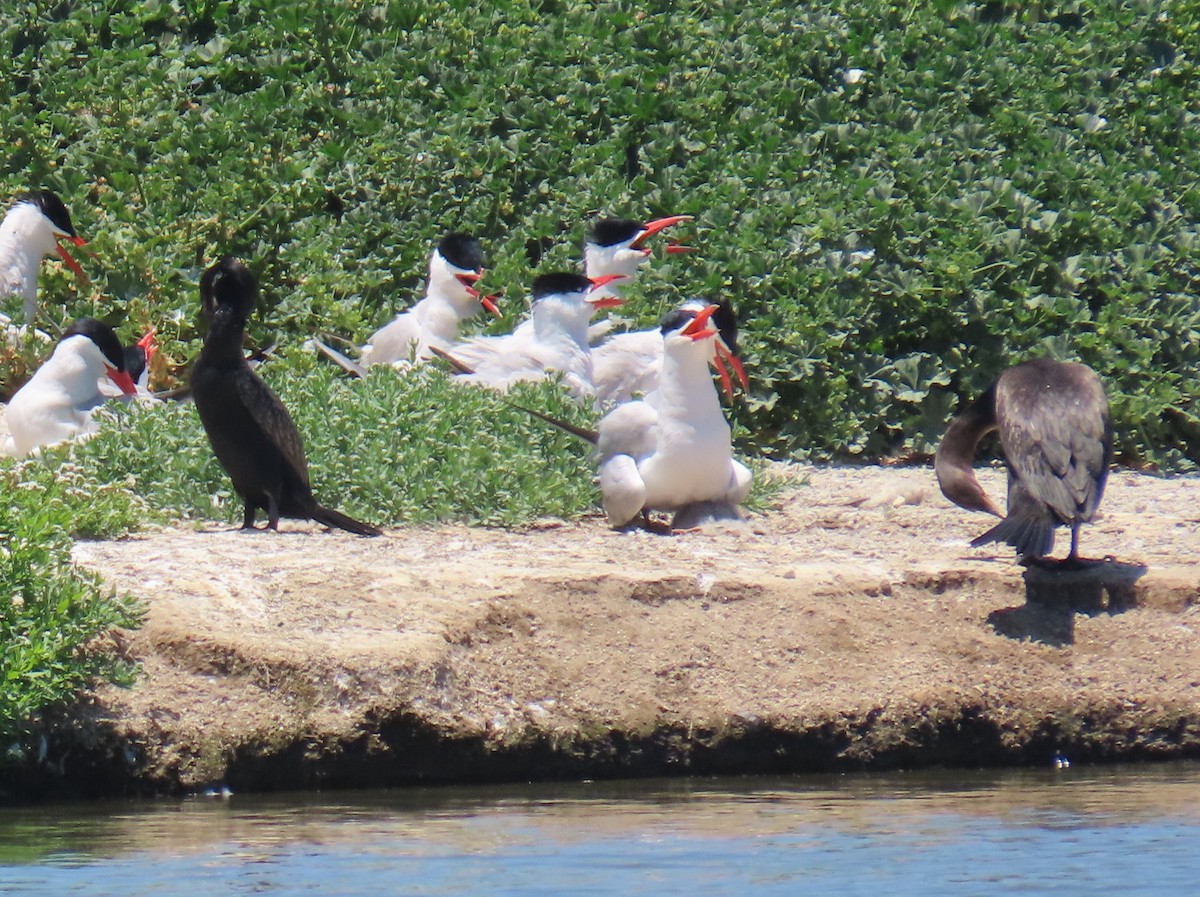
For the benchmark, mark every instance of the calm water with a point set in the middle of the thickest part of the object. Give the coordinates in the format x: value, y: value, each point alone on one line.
x: 1129, y: 831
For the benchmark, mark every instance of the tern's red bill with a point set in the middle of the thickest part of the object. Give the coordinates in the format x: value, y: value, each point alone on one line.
x: 697, y: 327
x: 605, y: 301
x: 736, y: 364
x: 123, y: 380
x: 468, y: 280
x: 69, y: 261
x: 724, y: 355
x: 489, y: 303
x: 650, y: 228
x: 147, y: 345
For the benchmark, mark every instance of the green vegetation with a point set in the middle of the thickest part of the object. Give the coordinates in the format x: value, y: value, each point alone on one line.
x: 394, y: 448
x: 52, y: 616
x: 415, y: 448
x: 999, y: 180
x: 901, y: 199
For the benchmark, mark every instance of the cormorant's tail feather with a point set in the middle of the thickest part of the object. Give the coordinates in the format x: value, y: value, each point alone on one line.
x: 1030, y: 536
x: 330, y: 517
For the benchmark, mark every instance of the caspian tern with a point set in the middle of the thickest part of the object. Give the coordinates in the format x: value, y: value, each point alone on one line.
x: 555, y: 340
x: 249, y: 428
x: 618, y: 246
x: 137, y: 364
x: 1054, y: 428
x: 60, y: 399
x: 628, y: 364
x: 673, y: 450
x: 31, y: 231
x: 455, y: 267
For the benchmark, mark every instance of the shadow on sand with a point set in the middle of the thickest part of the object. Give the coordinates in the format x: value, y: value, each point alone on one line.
x: 1056, y: 592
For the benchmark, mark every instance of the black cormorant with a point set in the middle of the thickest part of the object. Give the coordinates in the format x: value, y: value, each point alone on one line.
x: 249, y: 428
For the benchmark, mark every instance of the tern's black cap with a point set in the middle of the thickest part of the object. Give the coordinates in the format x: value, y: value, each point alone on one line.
x: 462, y: 251
x: 52, y: 207
x: 612, y: 231
x: 558, y: 283
x: 100, y: 334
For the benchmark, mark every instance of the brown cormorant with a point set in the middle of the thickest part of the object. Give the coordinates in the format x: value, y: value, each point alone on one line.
x: 249, y: 428
x: 1052, y: 417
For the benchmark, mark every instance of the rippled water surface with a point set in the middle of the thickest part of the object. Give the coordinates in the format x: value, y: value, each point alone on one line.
x: 1127, y: 831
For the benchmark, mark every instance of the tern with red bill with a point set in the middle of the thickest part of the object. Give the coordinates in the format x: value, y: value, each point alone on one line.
x: 59, y: 401
x: 614, y: 246
x: 451, y: 297
x: 138, y: 358
x: 33, y: 229
x: 673, y: 451
x: 618, y: 245
x: 553, y: 340
x: 629, y: 364
x: 137, y: 364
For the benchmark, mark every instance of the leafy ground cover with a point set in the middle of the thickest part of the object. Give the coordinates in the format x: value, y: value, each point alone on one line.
x: 54, y: 617
x: 901, y: 200
x: 412, y: 448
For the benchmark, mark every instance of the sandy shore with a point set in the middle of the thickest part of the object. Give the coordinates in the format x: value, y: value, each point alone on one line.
x: 850, y: 627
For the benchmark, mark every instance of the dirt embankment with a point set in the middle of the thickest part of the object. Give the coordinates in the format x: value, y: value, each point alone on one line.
x: 852, y: 627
